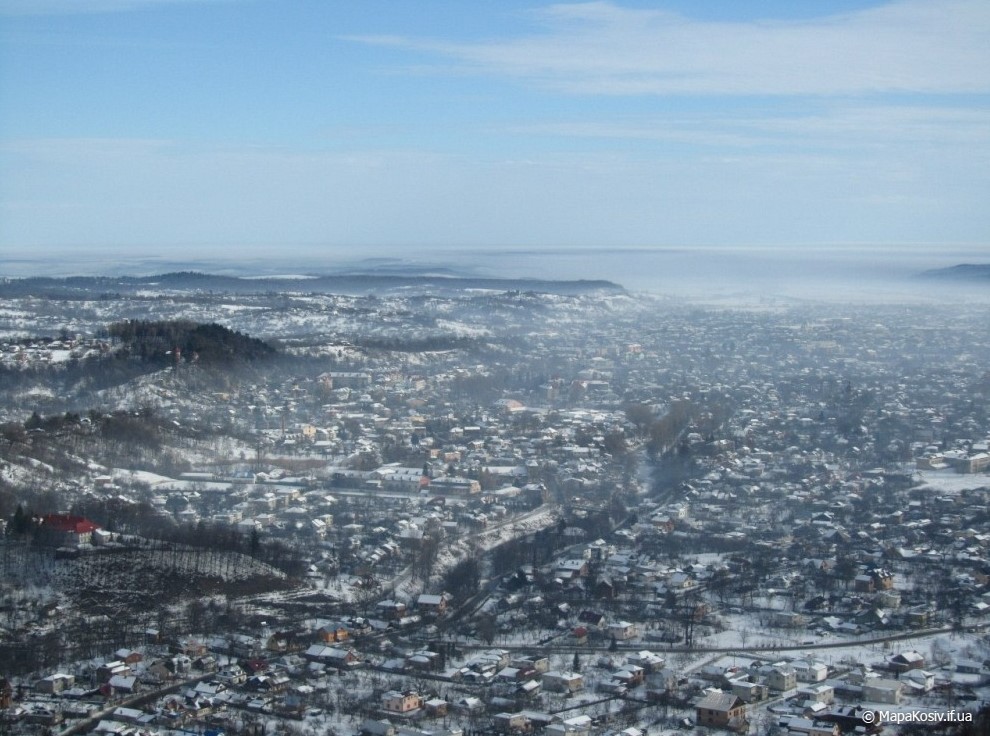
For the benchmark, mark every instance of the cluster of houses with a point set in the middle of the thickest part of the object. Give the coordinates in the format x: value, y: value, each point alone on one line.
x: 817, y: 474
x: 814, y: 698
x: 819, y: 435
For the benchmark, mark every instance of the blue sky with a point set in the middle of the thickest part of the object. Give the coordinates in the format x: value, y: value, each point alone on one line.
x: 232, y: 126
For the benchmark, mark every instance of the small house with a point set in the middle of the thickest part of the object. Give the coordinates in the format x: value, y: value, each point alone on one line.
x: 401, y: 703
x: 721, y: 710
x: 881, y: 690
x: 556, y: 681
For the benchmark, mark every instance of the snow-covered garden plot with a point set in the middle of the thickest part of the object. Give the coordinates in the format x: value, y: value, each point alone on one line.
x: 949, y: 481
x: 132, y: 579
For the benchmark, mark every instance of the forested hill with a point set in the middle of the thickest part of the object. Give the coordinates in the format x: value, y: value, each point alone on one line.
x: 963, y: 272
x: 106, y: 287
x: 161, y: 343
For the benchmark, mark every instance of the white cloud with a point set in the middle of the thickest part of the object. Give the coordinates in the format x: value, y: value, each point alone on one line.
x: 888, y: 125
x: 602, y: 48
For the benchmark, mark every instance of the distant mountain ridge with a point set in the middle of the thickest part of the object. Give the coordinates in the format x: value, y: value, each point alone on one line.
x: 960, y: 272
x: 343, y: 283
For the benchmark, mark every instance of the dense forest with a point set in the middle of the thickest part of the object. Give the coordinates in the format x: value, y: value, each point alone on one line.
x: 162, y: 343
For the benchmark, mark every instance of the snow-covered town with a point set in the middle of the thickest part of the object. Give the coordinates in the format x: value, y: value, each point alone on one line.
x: 569, y: 511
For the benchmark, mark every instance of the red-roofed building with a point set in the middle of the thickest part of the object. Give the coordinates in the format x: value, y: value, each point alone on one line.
x: 62, y: 530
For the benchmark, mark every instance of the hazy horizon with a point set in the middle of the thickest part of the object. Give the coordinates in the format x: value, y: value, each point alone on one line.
x: 826, y: 273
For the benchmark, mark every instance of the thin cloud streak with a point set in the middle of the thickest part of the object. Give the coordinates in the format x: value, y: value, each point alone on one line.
x: 843, y: 127
x: 600, y: 48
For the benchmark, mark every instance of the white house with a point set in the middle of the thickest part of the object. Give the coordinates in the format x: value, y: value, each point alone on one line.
x: 556, y: 681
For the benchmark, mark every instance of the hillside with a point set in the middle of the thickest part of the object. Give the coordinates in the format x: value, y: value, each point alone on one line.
x: 105, y: 287
x: 970, y: 272
x: 137, y: 584
x: 127, y: 364
x: 165, y: 342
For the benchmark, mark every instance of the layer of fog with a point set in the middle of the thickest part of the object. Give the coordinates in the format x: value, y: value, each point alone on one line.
x: 841, y: 273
